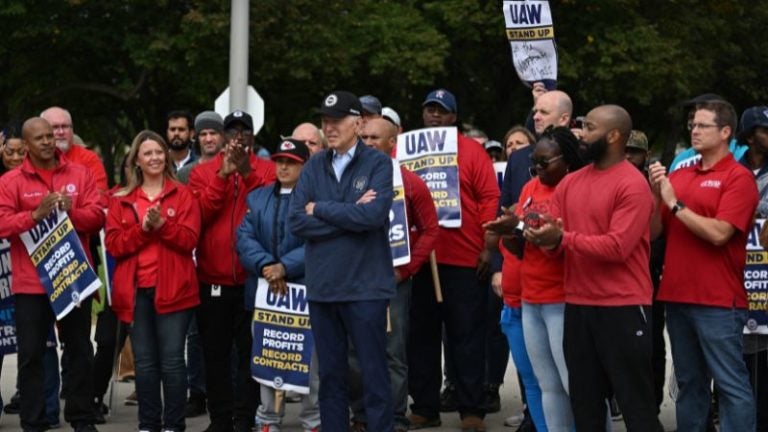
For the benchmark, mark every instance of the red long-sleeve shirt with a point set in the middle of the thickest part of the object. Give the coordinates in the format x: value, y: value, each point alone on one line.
x: 422, y: 222
x: 479, y: 192
x: 606, y: 216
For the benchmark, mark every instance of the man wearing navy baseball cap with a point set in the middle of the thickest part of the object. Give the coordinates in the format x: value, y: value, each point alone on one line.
x: 340, y: 206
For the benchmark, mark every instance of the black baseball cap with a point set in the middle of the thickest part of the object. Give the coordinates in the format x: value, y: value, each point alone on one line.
x: 292, y: 149
x: 341, y: 104
x: 238, y: 116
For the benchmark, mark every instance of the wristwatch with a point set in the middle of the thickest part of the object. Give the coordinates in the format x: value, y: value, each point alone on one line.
x: 677, y: 207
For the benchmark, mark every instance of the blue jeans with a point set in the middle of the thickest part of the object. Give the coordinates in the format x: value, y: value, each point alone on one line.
x: 512, y: 325
x: 707, y: 341
x: 543, y: 333
x: 158, y: 355
x: 195, y: 362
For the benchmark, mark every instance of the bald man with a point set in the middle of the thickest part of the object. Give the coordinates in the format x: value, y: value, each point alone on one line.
x: 600, y: 218
x: 552, y: 108
x: 46, y: 181
x: 64, y: 135
x: 311, y: 136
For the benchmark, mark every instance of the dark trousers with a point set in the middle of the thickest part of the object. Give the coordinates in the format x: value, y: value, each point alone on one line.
x: 463, y: 313
x: 34, y: 318
x: 397, y: 361
x: 609, y: 348
x: 110, y: 338
x: 222, y: 322
x: 659, y: 353
x: 365, y: 324
x: 757, y: 365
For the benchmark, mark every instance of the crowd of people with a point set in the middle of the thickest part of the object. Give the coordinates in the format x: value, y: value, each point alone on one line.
x: 573, y: 253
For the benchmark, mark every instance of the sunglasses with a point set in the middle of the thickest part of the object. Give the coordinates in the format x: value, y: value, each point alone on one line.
x: 544, y: 163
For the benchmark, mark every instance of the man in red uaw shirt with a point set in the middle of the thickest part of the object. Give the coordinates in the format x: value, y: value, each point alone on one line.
x: 463, y: 270
x: 706, y: 211
x: 221, y: 186
x: 28, y: 195
x: 602, y: 215
x: 422, y: 228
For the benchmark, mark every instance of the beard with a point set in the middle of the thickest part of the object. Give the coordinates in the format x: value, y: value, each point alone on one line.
x: 179, y: 145
x: 63, y: 145
x: 594, y: 152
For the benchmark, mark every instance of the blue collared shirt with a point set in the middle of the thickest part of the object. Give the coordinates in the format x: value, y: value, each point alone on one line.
x: 341, y: 160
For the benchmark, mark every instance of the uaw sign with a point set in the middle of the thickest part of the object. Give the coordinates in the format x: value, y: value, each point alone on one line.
x: 756, y: 282
x: 399, y: 240
x: 7, y: 303
x: 432, y: 154
x: 282, y: 338
x: 61, y: 262
x: 531, y: 36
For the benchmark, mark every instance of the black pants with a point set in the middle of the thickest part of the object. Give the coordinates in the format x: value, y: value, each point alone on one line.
x: 610, y: 348
x: 34, y: 318
x: 110, y: 338
x: 463, y: 313
x: 222, y: 322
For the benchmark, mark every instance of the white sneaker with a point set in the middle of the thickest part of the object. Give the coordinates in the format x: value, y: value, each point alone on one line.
x: 514, y: 420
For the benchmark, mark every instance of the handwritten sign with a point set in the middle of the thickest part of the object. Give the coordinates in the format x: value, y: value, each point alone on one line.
x: 531, y: 36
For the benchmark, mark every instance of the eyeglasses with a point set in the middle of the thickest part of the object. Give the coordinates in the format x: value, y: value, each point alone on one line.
x: 692, y: 126
x: 544, y: 163
x: 61, y: 126
x: 234, y: 132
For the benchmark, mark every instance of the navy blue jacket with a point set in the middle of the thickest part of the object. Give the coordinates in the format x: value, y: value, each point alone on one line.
x: 263, y: 238
x: 347, y: 250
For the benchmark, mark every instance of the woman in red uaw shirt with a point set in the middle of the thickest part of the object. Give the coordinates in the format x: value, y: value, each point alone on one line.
x: 152, y: 227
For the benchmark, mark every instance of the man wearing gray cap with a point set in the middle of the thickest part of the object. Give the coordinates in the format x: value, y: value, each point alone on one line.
x: 210, y: 135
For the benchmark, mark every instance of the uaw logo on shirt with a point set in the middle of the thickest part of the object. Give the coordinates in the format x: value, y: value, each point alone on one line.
x: 171, y: 212
x: 331, y: 100
x: 287, y: 145
x: 359, y: 183
x: 71, y: 188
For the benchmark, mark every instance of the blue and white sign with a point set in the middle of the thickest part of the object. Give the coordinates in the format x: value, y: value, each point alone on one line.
x: 432, y: 154
x: 399, y: 239
x: 61, y: 262
x: 756, y: 282
x: 282, y: 338
x: 531, y: 36
x: 7, y: 303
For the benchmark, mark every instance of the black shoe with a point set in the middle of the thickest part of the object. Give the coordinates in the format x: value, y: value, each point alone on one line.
x: 526, y: 426
x: 100, y: 412
x: 218, y: 427
x: 491, y: 399
x: 86, y: 428
x: 195, y: 405
x: 448, y: 399
x: 14, y: 407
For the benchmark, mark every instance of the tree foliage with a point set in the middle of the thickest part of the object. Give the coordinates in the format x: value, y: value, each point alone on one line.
x: 119, y: 66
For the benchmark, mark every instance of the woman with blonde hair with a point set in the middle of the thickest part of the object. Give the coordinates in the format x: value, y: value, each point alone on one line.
x: 152, y: 227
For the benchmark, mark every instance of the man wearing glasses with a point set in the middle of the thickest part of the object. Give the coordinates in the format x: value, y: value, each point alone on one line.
x: 64, y: 135
x: 221, y: 186
x: 706, y: 212
x: 311, y: 136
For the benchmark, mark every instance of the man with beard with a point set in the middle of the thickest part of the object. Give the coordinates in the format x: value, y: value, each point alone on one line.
x: 600, y: 221
x: 210, y: 136
x: 179, y: 133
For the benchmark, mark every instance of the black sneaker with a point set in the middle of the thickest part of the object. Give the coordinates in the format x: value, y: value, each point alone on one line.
x: 86, y: 428
x: 100, y: 412
x: 14, y: 407
x: 491, y: 399
x: 448, y: 399
x: 195, y: 405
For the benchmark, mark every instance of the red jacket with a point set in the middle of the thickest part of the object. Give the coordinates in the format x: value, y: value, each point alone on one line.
x: 22, y: 190
x: 223, y: 206
x: 422, y: 222
x: 479, y: 191
x: 90, y: 160
x: 177, y: 288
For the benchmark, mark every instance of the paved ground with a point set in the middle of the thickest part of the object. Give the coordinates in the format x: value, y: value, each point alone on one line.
x: 124, y: 418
